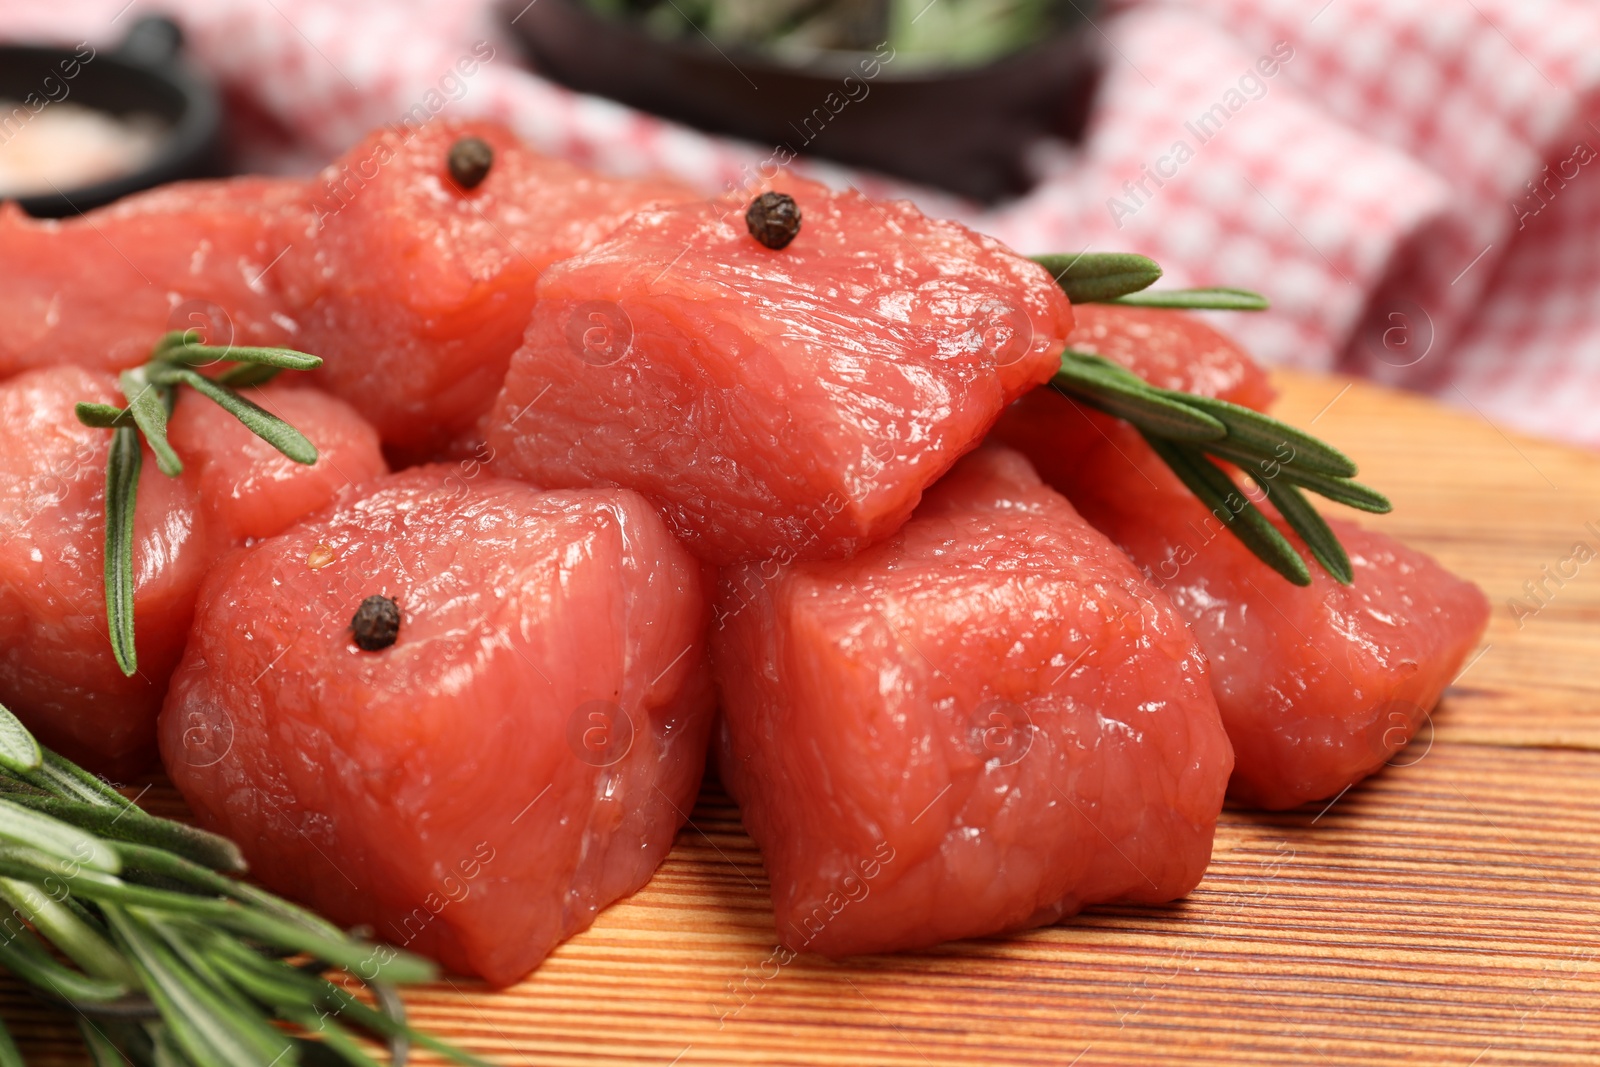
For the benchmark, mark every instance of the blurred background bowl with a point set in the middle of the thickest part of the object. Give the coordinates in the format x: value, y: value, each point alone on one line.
x: 143, y: 83
x: 959, y: 116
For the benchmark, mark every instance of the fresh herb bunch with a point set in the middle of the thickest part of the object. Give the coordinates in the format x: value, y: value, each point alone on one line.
x: 1186, y: 431
x: 151, y: 391
x: 166, y: 961
x: 951, y: 33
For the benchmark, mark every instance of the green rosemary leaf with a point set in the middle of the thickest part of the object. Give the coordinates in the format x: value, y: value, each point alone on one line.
x: 22, y: 826
x: 334, y: 1037
x: 384, y: 1025
x: 271, y: 982
x: 327, y: 995
x: 23, y: 955
x: 139, y: 857
x: 198, y: 355
x: 243, y: 375
x: 1219, y: 493
x: 1313, y: 529
x: 1278, y: 441
x: 367, y: 962
x: 1110, y: 369
x: 147, y: 402
x: 1134, y: 401
x: 247, y: 894
x: 90, y: 919
x: 1141, y: 408
x: 1099, y: 276
x: 1198, y: 299
x: 166, y: 1051
x: 18, y: 750
x: 29, y: 864
x: 10, y: 1055
x: 67, y: 931
x: 204, y: 1022
x: 135, y: 827
x: 176, y: 932
x: 175, y: 948
x: 102, y: 416
x: 117, y: 898
x: 1343, y: 491
x: 102, y: 1051
x: 265, y: 425
x: 1340, y: 490
x: 39, y: 867
x: 379, y: 1023
x: 122, y: 487
x: 63, y: 778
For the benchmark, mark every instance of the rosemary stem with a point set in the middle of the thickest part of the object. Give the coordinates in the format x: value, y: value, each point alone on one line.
x: 1185, y: 431
x: 151, y: 391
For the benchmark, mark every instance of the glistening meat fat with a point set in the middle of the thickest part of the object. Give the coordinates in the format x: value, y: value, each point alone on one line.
x: 789, y: 402
x: 985, y: 723
x: 1319, y: 686
x: 467, y: 712
x: 57, y: 671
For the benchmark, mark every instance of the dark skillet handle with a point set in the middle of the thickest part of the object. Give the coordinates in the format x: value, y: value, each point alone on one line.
x: 154, y: 41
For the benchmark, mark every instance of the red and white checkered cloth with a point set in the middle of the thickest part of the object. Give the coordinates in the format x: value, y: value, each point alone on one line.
x: 1416, y: 184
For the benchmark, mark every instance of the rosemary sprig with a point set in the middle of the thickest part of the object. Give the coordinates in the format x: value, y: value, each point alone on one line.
x: 151, y: 392
x: 1278, y: 458
x: 165, y: 959
x: 1186, y: 431
x: 1124, y: 277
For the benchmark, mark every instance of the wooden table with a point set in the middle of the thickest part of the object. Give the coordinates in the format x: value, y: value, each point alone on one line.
x: 1446, y: 911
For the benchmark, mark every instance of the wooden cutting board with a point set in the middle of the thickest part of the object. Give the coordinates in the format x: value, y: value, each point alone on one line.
x: 1446, y: 911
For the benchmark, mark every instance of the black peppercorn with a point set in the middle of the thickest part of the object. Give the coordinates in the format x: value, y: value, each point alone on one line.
x: 773, y: 219
x: 376, y: 623
x: 470, y: 160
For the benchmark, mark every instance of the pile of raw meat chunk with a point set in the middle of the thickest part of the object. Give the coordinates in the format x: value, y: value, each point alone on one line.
x: 605, y: 484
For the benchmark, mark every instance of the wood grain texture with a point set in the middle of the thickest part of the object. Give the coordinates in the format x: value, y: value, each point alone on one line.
x: 1506, y: 511
x: 1447, y: 911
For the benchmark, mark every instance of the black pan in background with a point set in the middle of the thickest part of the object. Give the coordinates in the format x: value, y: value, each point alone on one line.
x: 146, y: 74
x: 965, y: 130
